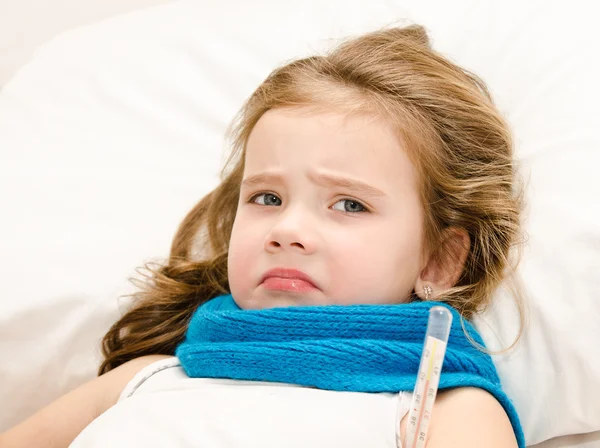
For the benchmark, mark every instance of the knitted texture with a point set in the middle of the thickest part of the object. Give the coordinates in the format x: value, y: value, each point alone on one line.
x: 360, y: 348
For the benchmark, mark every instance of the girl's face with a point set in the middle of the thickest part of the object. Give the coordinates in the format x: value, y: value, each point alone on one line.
x: 330, y: 195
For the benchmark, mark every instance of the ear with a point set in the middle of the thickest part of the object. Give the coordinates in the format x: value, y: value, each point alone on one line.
x: 444, y: 265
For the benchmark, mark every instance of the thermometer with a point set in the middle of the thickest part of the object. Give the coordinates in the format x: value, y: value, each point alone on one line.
x: 428, y: 378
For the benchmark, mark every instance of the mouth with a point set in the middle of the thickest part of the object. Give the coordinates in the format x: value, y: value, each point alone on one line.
x: 292, y: 280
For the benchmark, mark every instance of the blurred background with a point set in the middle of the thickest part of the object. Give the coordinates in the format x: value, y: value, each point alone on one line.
x: 26, y: 24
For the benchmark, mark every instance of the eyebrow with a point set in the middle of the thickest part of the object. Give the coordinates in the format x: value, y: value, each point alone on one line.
x: 329, y: 180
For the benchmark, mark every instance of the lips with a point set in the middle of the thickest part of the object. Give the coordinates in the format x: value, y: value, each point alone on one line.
x: 288, y: 280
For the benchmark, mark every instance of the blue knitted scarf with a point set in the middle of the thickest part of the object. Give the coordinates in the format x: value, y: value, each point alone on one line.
x: 360, y: 348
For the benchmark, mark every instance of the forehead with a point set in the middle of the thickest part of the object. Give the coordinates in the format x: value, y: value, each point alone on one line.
x: 312, y: 124
x: 300, y: 139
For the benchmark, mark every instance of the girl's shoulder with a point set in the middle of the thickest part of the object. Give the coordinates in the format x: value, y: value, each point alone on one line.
x: 469, y: 417
x: 117, y: 379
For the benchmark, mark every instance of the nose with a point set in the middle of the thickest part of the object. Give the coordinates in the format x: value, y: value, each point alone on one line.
x: 292, y: 231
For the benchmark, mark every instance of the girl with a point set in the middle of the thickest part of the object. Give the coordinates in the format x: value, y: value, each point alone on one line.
x: 377, y: 175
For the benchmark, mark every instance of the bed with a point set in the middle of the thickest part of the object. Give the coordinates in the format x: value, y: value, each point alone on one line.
x: 95, y: 126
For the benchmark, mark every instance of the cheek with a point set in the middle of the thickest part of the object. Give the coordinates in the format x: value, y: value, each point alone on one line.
x: 243, y: 249
x: 354, y: 257
x: 379, y: 263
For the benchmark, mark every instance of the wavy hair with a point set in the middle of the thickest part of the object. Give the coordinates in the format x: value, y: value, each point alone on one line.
x: 458, y: 141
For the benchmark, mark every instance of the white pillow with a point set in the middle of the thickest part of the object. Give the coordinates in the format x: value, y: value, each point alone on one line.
x: 113, y: 131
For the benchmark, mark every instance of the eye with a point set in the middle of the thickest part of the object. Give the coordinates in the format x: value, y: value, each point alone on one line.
x: 350, y: 206
x: 267, y: 199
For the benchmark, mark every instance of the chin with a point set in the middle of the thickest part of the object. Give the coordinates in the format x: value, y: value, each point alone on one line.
x: 263, y: 299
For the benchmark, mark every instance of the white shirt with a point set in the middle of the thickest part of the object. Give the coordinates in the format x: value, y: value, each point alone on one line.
x: 163, y: 407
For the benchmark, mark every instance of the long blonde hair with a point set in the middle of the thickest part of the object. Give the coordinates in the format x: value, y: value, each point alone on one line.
x: 456, y: 138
